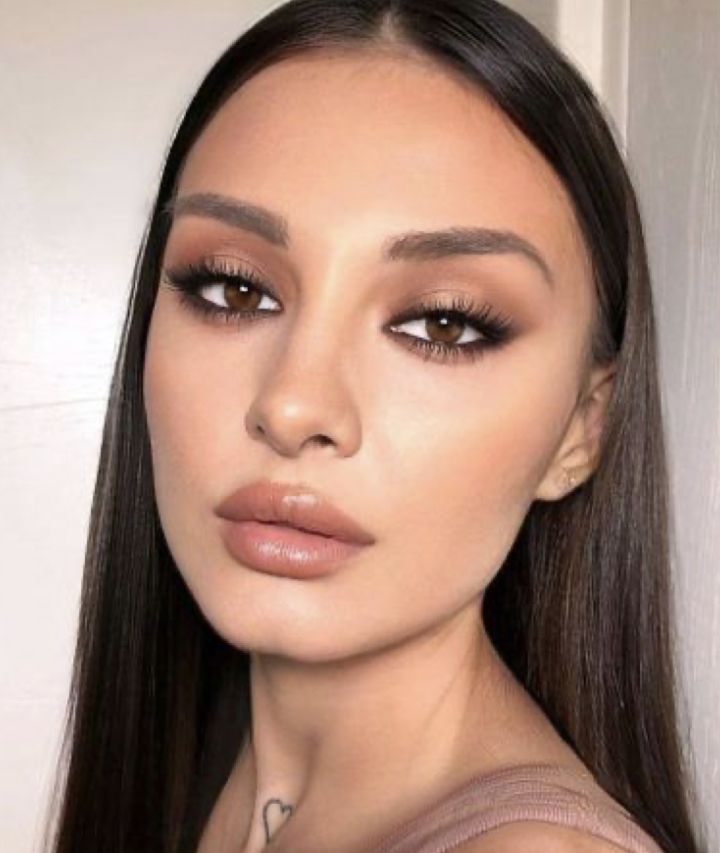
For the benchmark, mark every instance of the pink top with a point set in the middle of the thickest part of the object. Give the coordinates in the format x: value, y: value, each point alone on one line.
x: 544, y: 792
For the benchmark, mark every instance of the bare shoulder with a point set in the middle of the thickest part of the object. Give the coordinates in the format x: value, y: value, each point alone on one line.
x: 529, y: 836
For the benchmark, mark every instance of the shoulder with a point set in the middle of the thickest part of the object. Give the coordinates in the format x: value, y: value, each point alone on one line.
x: 536, y: 837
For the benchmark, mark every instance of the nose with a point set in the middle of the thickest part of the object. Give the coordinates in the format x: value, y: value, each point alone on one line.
x: 304, y: 398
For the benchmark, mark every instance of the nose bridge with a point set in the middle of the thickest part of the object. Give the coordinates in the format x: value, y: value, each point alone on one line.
x: 305, y: 388
x: 318, y: 334
x: 325, y: 322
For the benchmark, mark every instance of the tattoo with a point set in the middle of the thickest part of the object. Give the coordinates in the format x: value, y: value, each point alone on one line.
x: 278, y: 810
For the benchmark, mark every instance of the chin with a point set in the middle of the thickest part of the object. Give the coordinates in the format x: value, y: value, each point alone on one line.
x: 273, y: 621
x: 304, y: 641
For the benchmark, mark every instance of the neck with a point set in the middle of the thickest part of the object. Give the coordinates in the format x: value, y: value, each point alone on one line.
x: 386, y: 726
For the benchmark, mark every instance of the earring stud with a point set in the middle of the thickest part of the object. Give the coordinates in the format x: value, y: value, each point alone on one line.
x: 570, y: 479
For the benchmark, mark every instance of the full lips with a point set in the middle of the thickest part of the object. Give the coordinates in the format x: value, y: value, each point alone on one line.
x: 282, y: 550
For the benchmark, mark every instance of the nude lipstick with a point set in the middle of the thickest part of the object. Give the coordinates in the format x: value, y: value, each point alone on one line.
x: 288, y: 530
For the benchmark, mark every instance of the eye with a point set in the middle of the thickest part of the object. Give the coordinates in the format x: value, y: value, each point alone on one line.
x: 458, y: 329
x: 218, y: 291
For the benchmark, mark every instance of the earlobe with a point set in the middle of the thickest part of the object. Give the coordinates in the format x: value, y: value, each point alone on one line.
x: 577, y: 456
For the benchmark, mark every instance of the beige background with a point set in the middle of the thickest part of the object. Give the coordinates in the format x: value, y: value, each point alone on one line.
x: 89, y: 95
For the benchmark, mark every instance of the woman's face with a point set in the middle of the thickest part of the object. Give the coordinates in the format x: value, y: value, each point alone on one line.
x: 438, y: 458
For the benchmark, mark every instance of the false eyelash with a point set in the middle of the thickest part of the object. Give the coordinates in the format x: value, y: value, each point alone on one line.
x: 191, y: 278
x: 496, y: 329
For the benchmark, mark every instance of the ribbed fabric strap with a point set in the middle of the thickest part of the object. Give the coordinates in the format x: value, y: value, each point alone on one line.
x: 542, y: 792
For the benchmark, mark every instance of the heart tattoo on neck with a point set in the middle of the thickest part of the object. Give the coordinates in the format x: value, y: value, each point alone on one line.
x: 274, y: 811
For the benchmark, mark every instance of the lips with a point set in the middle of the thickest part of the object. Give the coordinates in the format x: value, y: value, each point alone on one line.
x: 293, y: 506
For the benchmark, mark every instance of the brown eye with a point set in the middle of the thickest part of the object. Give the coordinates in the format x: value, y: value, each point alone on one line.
x: 445, y: 329
x: 220, y: 291
x: 450, y: 331
x: 242, y: 297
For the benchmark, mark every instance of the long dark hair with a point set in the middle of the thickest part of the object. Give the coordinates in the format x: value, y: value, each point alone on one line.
x: 159, y: 703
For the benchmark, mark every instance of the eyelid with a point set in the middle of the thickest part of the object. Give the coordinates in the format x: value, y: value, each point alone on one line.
x: 216, y: 269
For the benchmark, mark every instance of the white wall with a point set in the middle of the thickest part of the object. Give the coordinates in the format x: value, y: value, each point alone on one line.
x: 594, y: 33
x: 89, y: 94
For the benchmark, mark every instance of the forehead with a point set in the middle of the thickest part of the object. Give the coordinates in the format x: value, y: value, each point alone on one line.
x: 373, y: 142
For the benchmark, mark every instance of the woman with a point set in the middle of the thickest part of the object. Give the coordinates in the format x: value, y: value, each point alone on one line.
x: 379, y: 547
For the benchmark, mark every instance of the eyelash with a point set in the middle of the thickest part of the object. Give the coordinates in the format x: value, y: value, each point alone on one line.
x: 496, y: 329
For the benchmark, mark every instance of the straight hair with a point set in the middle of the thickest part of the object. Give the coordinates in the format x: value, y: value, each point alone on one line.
x: 159, y: 704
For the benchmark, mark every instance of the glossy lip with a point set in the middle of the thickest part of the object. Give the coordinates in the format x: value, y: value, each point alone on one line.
x: 288, y: 530
x: 293, y: 506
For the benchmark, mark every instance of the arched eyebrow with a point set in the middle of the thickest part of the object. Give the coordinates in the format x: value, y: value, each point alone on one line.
x: 410, y: 246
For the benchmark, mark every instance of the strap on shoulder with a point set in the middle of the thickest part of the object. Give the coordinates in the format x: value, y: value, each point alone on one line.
x: 537, y: 792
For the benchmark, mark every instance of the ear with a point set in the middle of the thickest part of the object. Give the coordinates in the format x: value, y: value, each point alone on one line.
x: 577, y: 456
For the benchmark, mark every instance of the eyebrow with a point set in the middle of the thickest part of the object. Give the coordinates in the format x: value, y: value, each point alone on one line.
x: 412, y: 245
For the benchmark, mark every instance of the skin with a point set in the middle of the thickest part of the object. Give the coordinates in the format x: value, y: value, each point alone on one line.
x: 375, y: 689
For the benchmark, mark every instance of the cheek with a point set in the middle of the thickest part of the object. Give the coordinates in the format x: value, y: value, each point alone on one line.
x: 467, y: 464
x: 188, y: 417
